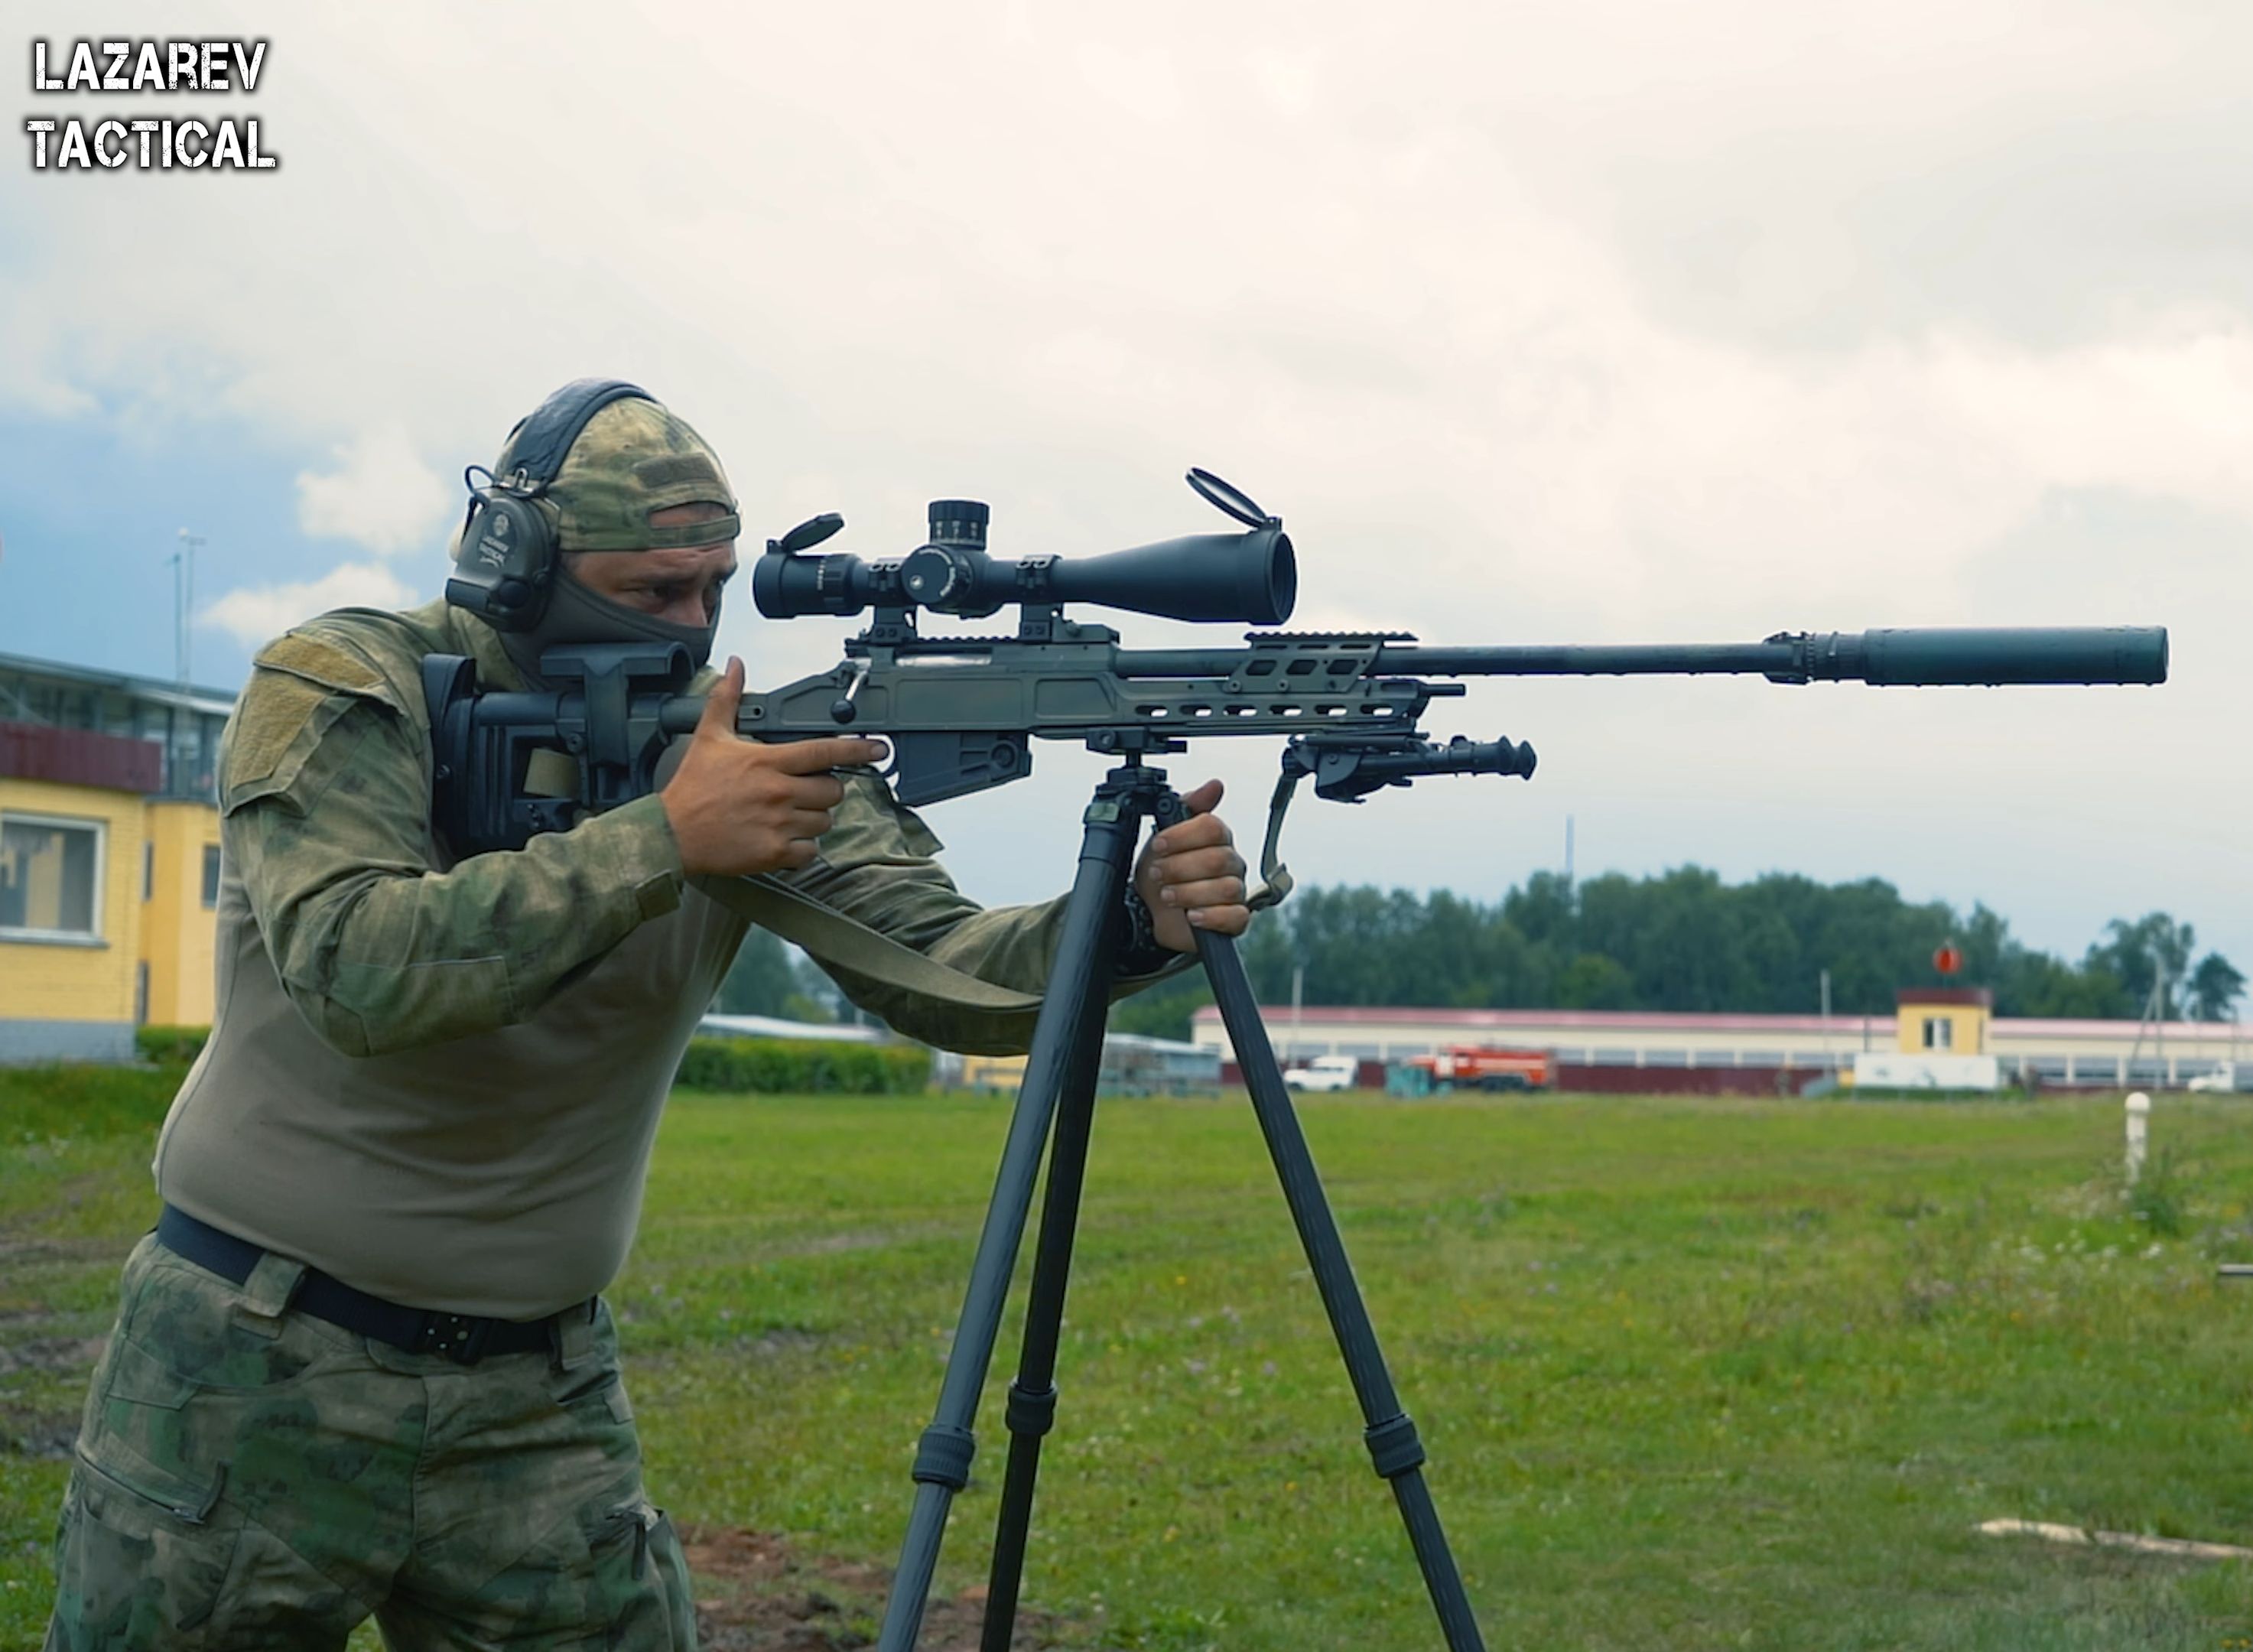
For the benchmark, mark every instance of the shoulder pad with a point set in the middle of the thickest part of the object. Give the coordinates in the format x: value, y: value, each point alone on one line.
x: 300, y: 685
x: 318, y: 659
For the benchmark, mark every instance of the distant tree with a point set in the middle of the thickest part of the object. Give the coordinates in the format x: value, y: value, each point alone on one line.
x: 2058, y: 992
x: 813, y: 996
x: 1162, y: 1011
x: 2152, y: 948
x: 818, y: 1009
x: 2215, y: 987
x: 761, y: 980
x: 1595, y: 982
x: 1546, y: 910
x: 1682, y: 939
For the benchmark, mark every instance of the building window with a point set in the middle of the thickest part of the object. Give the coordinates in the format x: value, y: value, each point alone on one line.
x: 1939, y: 1032
x: 149, y: 869
x: 211, y: 875
x: 50, y: 874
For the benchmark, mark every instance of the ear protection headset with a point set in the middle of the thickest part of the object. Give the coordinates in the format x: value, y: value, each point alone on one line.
x: 504, y: 565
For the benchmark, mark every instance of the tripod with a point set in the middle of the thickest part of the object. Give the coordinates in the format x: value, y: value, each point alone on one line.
x: 1059, y: 1086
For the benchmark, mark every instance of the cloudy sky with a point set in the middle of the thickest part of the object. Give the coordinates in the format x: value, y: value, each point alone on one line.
x: 1618, y: 321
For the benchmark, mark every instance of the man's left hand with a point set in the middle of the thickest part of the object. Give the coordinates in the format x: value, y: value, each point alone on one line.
x: 1191, y: 877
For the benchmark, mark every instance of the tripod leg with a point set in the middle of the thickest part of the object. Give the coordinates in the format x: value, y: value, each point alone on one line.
x: 1393, y: 1446
x: 1032, y: 1395
x: 1082, y: 971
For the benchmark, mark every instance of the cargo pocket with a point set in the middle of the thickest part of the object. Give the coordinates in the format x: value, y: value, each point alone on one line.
x: 142, y: 1558
x: 640, y: 1585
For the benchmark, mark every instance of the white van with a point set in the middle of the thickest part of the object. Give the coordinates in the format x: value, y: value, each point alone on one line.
x: 1324, y: 1072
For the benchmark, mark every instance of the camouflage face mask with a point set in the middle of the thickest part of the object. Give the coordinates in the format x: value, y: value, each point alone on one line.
x: 575, y: 614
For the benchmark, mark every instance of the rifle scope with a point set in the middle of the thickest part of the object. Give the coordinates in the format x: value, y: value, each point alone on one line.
x: 1248, y: 578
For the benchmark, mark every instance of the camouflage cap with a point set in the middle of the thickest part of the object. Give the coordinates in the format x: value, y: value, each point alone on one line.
x: 635, y: 458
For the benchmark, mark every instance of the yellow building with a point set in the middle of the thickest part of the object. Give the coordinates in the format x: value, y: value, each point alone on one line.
x: 1943, y: 1020
x: 109, y: 858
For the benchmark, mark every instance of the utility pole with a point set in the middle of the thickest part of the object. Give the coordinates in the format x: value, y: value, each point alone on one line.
x: 1298, y: 989
x: 1826, y: 1020
x: 183, y: 596
x: 2153, y: 1016
x: 2159, y: 1014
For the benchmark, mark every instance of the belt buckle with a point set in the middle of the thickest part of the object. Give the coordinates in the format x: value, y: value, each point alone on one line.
x: 460, y: 1337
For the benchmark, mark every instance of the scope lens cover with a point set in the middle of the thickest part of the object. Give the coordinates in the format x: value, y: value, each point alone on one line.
x: 1222, y: 496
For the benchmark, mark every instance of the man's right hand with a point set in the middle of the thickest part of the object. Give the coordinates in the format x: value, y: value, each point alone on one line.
x: 741, y: 806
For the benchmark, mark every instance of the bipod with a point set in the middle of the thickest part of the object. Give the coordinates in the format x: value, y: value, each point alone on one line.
x: 1059, y: 1088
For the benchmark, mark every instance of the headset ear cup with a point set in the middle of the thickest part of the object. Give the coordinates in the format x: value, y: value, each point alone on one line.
x: 505, y: 562
x: 505, y: 556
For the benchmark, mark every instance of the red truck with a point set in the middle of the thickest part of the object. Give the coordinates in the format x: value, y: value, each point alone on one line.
x: 1482, y: 1067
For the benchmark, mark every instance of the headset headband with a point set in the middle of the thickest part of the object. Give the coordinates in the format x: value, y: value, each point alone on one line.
x: 541, y: 439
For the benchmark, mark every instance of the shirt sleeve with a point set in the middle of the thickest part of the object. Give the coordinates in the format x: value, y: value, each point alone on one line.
x: 326, y: 799
x: 877, y: 864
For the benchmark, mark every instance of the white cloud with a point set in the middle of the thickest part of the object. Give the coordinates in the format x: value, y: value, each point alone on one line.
x: 381, y: 495
x: 256, y: 615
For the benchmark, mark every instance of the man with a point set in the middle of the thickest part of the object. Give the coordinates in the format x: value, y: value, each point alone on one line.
x: 362, y: 1366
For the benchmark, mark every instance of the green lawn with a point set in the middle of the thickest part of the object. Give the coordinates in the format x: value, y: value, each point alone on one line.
x: 1692, y: 1373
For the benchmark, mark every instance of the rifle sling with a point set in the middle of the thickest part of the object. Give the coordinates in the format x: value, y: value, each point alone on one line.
x: 831, y: 937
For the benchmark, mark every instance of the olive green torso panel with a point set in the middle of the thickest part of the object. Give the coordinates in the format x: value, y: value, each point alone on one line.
x: 440, y: 1081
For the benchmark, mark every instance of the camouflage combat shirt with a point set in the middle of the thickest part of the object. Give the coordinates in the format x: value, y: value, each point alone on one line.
x: 440, y: 1081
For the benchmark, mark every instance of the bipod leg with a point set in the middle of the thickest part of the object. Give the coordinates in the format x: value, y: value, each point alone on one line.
x: 1393, y: 1446
x: 1082, y: 972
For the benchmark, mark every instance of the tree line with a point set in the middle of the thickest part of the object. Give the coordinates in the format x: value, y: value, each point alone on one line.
x: 1682, y: 939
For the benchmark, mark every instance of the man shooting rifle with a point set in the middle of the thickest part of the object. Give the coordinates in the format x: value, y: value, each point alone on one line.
x: 363, y: 1366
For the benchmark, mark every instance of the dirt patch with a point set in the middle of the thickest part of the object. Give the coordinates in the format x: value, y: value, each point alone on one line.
x: 781, y: 1340
x: 42, y: 1436
x: 754, y: 1594
x: 51, y: 1354
x: 16, y: 1247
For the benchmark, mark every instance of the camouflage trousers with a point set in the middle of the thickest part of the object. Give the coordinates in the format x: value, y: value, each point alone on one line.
x: 250, y: 1477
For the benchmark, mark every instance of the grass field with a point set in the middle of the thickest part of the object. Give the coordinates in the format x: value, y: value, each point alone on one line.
x: 1693, y: 1373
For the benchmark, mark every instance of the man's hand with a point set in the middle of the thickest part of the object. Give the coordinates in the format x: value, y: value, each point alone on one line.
x: 740, y: 807
x: 1191, y: 877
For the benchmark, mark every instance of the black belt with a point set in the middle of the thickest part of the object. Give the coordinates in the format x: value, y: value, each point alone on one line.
x: 464, y: 1338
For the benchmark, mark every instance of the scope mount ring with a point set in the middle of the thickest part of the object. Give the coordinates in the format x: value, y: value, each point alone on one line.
x: 1224, y: 496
